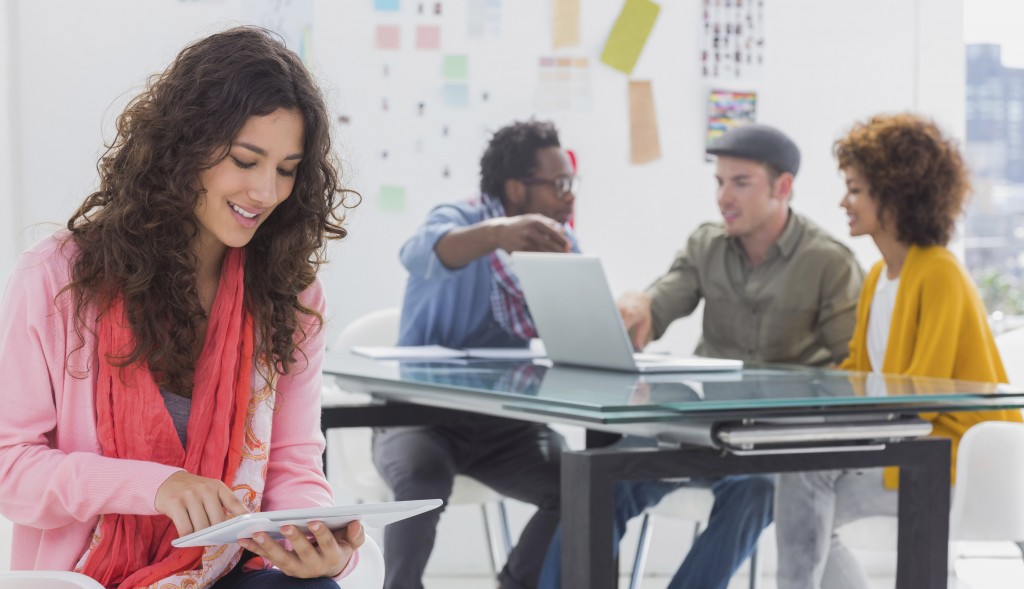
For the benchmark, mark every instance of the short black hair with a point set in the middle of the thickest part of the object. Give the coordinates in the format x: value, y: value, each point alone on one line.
x: 512, y: 153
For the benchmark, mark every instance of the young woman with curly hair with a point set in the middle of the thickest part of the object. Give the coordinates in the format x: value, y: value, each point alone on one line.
x: 163, y: 353
x: 919, y: 315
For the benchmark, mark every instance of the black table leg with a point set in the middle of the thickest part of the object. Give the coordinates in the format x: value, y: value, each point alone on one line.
x: 588, y: 478
x: 924, y: 503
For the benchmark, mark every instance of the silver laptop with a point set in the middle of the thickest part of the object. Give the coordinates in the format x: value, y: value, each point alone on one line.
x: 576, y: 316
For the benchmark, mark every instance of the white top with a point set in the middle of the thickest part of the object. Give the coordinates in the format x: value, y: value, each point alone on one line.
x: 880, y: 318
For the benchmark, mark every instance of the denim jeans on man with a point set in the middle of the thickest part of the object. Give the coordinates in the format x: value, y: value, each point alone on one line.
x: 743, y: 507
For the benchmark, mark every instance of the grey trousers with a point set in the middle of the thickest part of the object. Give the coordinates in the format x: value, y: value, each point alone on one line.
x: 518, y: 459
x: 809, y: 508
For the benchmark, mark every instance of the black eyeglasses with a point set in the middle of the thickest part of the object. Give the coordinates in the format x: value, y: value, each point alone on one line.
x: 563, y: 185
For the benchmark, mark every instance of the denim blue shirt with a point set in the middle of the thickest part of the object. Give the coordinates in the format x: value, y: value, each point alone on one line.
x: 450, y: 307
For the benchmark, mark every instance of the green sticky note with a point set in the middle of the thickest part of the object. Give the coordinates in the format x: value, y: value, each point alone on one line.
x: 629, y: 34
x: 455, y: 67
x: 392, y: 198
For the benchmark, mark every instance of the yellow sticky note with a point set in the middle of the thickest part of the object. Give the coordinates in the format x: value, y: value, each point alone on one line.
x: 629, y: 34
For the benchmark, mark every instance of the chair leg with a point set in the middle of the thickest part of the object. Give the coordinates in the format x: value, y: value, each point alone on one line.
x: 755, y: 570
x: 492, y: 548
x: 506, y: 529
x: 642, y: 546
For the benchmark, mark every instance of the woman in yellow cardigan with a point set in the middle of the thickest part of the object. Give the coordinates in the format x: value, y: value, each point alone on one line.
x: 919, y: 314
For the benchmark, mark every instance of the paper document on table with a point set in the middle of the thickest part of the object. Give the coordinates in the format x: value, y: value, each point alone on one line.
x: 504, y: 353
x: 407, y: 352
x: 443, y: 353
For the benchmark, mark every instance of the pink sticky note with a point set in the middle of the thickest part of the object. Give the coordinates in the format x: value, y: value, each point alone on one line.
x: 387, y: 36
x: 428, y: 37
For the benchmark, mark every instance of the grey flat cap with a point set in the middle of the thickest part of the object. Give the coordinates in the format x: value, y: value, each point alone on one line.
x: 760, y: 143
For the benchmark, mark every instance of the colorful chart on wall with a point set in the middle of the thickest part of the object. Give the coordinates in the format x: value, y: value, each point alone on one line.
x: 732, y: 39
x: 728, y: 109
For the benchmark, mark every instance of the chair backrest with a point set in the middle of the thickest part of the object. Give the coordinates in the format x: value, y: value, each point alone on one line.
x: 987, y: 499
x: 377, y: 328
x: 369, y: 573
x: 46, y: 580
x: 350, y: 466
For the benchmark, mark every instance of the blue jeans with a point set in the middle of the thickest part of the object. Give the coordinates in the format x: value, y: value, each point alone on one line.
x: 268, y: 579
x: 743, y: 507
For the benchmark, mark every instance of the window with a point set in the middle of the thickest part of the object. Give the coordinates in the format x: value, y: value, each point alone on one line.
x: 994, y: 226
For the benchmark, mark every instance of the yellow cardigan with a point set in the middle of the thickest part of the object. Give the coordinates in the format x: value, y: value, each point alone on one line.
x: 939, y: 329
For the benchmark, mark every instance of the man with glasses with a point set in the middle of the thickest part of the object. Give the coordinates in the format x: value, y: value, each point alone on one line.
x: 776, y: 288
x: 462, y: 293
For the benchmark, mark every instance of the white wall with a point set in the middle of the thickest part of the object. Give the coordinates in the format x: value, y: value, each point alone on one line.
x: 71, y: 65
x: 9, y: 170
x: 827, y: 63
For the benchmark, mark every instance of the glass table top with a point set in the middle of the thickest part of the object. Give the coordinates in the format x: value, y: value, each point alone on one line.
x: 617, y: 396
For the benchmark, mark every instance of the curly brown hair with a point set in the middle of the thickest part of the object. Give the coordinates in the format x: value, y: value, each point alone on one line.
x: 135, y: 234
x: 917, y: 175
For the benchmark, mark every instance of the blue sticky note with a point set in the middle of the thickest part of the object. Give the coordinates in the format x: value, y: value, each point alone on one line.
x: 456, y: 95
x: 385, y: 5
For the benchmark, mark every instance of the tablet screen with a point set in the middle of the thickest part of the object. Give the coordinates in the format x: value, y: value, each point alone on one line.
x: 334, y: 517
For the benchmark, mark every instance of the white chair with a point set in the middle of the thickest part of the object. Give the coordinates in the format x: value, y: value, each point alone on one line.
x: 988, y: 499
x: 46, y: 580
x: 987, y: 504
x: 692, y: 504
x: 369, y: 573
x: 350, y: 466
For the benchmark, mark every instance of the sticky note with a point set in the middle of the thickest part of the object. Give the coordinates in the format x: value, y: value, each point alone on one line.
x: 428, y: 37
x: 392, y: 198
x: 455, y: 67
x: 385, y: 5
x: 388, y: 36
x: 456, y: 95
x: 629, y: 34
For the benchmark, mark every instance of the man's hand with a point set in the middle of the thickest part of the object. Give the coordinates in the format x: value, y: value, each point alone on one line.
x: 325, y: 555
x: 531, y: 233
x: 635, y: 308
x: 194, y: 502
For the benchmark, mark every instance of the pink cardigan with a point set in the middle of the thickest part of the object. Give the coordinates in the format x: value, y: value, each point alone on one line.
x: 54, y: 481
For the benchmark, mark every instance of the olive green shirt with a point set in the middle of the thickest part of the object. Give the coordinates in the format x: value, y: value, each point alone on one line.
x: 798, y: 306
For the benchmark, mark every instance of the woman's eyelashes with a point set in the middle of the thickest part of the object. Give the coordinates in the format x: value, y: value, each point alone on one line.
x: 241, y: 164
x: 249, y: 165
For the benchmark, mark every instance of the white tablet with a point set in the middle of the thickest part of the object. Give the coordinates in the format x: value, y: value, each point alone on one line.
x: 374, y: 515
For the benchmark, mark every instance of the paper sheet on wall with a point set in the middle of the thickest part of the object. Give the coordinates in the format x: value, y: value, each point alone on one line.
x: 428, y: 37
x: 643, y: 124
x: 292, y: 19
x: 455, y: 95
x: 565, y: 23
x: 387, y: 37
x: 483, y: 19
x: 392, y: 198
x: 455, y: 67
x: 732, y: 43
x: 563, y: 84
x: 629, y: 34
x: 728, y: 109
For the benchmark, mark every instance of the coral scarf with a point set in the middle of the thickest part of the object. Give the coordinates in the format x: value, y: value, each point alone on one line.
x: 133, y: 424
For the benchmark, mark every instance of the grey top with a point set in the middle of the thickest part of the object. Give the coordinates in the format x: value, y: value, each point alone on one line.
x: 180, y: 408
x: 798, y: 307
x: 759, y: 143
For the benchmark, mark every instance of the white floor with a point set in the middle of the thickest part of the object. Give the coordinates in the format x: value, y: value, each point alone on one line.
x: 974, y: 573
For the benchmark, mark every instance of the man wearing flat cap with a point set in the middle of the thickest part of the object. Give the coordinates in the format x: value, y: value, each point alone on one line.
x: 776, y: 288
